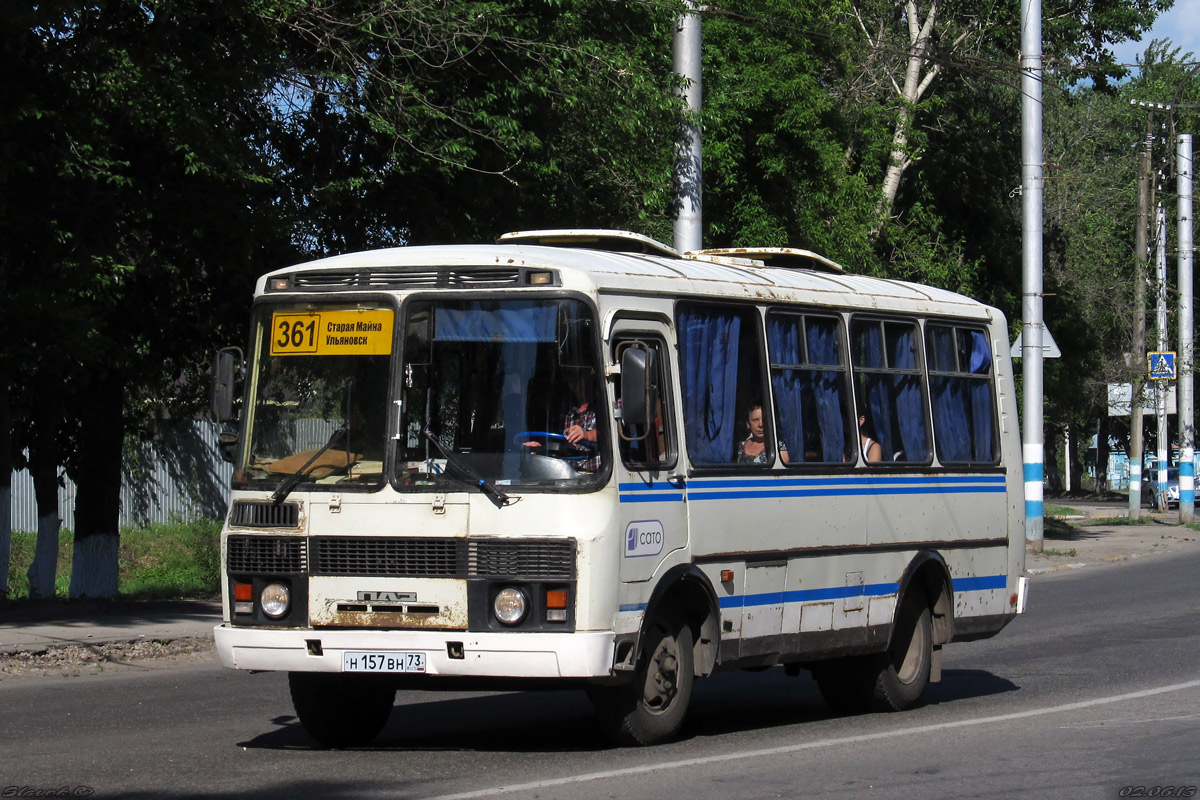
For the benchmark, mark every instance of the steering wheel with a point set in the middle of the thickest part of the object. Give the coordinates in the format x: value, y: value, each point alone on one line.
x: 552, y: 444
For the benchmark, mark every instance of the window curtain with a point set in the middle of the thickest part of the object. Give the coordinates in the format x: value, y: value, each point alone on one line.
x: 828, y: 387
x: 708, y: 341
x: 783, y: 339
x: 906, y: 392
x: 875, y: 389
x: 982, y: 418
x: 951, y: 416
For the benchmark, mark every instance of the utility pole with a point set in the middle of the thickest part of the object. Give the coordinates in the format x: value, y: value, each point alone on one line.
x: 688, y: 174
x: 1139, y: 331
x: 1185, y: 410
x: 1033, y: 436
x: 1161, y: 387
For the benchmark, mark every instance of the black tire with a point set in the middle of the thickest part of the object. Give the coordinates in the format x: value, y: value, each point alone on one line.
x: 341, y: 710
x: 650, y: 708
x: 895, y: 679
x: 841, y: 685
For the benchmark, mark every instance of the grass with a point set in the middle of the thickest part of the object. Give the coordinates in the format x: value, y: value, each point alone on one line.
x: 163, y: 561
x: 1115, y: 521
x: 1068, y: 553
x: 1062, y: 511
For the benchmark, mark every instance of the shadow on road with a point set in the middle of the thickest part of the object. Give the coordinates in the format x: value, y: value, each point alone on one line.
x: 562, y: 721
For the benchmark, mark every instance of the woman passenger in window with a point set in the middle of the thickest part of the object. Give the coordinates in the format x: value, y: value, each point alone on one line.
x: 871, y: 450
x: 753, y: 449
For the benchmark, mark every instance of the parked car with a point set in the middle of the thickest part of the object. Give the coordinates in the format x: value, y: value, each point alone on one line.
x: 1150, y: 488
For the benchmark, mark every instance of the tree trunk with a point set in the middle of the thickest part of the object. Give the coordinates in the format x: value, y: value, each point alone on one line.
x: 915, y: 85
x: 6, y: 468
x: 1102, y: 456
x: 97, y: 476
x: 43, y: 465
x: 1054, y: 484
x: 1074, y: 463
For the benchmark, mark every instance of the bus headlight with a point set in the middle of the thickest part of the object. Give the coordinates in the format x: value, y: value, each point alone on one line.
x: 275, y: 599
x: 510, y: 605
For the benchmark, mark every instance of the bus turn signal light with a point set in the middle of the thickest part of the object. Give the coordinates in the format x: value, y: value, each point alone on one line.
x: 556, y: 605
x: 243, y: 591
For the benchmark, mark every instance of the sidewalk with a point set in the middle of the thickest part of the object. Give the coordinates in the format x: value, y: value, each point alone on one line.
x: 1083, y: 545
x: 36, y: 628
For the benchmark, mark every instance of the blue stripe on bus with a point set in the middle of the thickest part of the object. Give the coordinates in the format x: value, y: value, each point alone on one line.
x: 982, y: 583
x: 747, y: 489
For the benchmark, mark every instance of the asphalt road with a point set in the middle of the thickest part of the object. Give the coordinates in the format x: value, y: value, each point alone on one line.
x: 1095, y: 691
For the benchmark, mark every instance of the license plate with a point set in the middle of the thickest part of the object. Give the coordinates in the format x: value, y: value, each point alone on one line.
x: 383, y: 662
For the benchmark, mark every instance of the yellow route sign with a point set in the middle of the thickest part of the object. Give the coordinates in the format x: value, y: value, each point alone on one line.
x: 345, y: 332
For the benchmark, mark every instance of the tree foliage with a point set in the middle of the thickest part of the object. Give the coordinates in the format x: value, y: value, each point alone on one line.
x: 156, y: 155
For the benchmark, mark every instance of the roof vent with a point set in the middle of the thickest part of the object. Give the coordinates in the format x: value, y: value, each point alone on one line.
x: 781, y: 257
x: 592, y: 239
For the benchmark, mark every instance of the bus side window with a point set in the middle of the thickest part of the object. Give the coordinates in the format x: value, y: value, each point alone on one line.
x: 890, y: 388
x: 960, y: 387
x: 649, y: 447
x: 721, y: 382
x: 811, y: 387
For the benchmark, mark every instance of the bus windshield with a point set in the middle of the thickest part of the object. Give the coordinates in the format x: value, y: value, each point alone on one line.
x: 318, y: 396
x: 501, y: 390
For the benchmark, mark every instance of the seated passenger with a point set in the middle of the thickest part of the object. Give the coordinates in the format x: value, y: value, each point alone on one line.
x: 871, y: 450
x: 753, y: 450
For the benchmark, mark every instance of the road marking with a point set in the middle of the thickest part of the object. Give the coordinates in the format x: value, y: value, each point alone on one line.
x: 820, y: 743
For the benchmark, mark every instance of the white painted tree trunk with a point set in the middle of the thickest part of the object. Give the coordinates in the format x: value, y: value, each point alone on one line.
x: 45, y: 557
x: 94, y: 570
x: 5, y: 536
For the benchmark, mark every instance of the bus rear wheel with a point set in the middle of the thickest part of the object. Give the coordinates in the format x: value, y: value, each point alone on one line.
x: 341, y: 710
x: 896, y: 678
x: 650, y: 708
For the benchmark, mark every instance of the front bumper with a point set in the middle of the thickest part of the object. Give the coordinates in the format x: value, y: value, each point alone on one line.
x: 499, y: 655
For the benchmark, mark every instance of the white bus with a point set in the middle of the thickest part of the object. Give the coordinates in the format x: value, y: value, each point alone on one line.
x: 579, y: 458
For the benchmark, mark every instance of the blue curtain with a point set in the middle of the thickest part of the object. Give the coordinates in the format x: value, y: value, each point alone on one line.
x: 828, y: 387
x: 910, y: 412
x: 982, y: 418
x: 950, y: 412
x: 513, y: 322
x: 875, y: 388
x: 708, y: 343
x: 783, y: 341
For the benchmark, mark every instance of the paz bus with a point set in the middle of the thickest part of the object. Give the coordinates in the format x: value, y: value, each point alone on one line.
x: 579, y: 458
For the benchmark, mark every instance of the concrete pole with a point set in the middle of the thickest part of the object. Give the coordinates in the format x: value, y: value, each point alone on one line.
x: 1033, y: 441
x: 688, y: 174
x: 1141, y: 244
x: 1160, y: 386
x: 1184, y: 397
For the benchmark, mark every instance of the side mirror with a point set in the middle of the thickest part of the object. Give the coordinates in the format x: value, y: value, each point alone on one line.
x: 638, y: 390
x: 224, y: 370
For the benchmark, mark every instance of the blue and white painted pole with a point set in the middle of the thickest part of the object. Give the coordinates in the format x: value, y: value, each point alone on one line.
x: 1031, y: 262
x: 1187, y: 431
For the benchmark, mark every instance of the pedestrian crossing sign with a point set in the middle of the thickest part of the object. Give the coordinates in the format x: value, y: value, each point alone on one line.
x: 1162, y: 365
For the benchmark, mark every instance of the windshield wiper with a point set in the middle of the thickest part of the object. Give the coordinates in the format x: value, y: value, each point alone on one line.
x: 499, y: 499
x: 292, y: 481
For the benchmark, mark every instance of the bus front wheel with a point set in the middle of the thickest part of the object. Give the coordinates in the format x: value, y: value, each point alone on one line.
x: 341, y: 710
x: 896, y: 678
x: 650, y: 708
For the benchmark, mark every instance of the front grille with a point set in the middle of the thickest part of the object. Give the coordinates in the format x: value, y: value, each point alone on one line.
x: 251, y: 514
x: 443, y: 558
x: 503, y: 558
x: 418, y: 278
x: 266, y: 555
x: 410, y: 558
